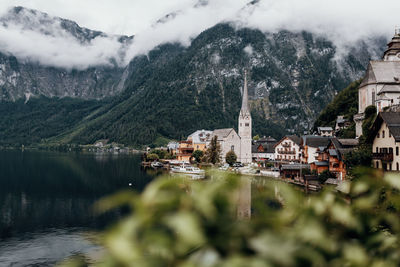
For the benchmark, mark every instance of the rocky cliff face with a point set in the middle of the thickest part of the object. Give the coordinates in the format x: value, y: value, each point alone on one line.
x: 23, y: 76
x: 175, y: 90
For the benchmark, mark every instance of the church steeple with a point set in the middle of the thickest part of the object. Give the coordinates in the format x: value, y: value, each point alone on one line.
x: 245, y: 97
x: 393, y: 51
x: 245, y: 125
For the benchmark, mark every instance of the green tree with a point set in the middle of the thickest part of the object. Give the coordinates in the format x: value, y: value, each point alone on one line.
x: 256, y: 138
x: 231, y: 157
x: 152, y: 157
x: 198, y: 155
x: 213, y: 153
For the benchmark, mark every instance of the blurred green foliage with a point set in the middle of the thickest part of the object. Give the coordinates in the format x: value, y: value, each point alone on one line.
x: 178, y: 222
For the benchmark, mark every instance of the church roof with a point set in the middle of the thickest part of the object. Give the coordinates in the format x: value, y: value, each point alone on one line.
x: 390, y: 88
x: 221, y: 133
x: 383, y: 72
x: 315, y: 141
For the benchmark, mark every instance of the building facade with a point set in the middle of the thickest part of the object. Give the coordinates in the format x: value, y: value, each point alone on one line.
x: 228, y: 139
x: 288, y: 149
x: 385, y: 137
x: 381, y: 84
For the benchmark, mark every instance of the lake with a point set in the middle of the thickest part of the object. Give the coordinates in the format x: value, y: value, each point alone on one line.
x: 46, y: 201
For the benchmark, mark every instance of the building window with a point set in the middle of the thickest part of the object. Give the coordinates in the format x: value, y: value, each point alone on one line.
x: 233, y: 148
x: 373, y: 98
x: 377, y: 164
x: 383, y: 134
x: 397, y: 150
x: 377, y: 136
x: 377, y: 149
x: 247, y: 124
x: 397, y: 166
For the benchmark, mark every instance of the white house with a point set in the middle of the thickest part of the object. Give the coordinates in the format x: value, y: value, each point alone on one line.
x: 381, y: 84
x: 288, y: 149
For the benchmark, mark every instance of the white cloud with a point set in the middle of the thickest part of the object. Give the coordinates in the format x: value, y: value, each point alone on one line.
x: 344, y: 22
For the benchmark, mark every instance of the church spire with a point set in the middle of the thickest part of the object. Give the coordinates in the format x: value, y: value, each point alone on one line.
x: 245, y: 101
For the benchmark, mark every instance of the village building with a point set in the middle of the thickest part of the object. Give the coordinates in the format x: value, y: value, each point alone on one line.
x: 288, y: 149
x: 199, y: 139
x: 185, y: 151
x: 381, y: 84
x: 385, y: 139
x: 310, y: 145
x: 263, y: 149
x: 325, y: 131
x: 173, y: 147
x: 341, y: 123
x: 228, y: 139
x: 332, y: 157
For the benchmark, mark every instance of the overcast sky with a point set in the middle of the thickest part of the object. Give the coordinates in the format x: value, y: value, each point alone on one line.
x: 342, y: 21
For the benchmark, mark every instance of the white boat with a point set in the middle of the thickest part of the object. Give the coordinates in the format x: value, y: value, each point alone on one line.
x: 156, y: 164
x: 187, y: 169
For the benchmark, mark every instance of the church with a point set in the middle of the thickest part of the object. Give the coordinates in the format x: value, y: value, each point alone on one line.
x: 240, y: 142
x: 381, y: 84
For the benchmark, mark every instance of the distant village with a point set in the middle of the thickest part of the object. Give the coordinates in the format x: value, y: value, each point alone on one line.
x: 320, y: 152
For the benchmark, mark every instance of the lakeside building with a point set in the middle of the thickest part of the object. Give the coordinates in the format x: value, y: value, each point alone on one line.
x: 310, y: 145
x: 381, y: 84
x: 288, y: 149
x: 263, y: 149
x: 228, y: 139
x: 332, y: 157
x: 199, y: 139
x: 385, y: 139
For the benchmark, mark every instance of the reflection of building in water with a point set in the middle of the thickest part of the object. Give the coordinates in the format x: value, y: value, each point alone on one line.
x: 244, y: 199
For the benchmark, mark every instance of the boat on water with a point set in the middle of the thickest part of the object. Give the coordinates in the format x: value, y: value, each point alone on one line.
x: 157, y: 164
x: 187, y: 169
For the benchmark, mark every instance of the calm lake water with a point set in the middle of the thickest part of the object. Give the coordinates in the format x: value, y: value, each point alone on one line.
x: 46, y: 201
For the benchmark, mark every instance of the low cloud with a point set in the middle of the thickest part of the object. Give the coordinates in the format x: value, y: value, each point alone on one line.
x: 343, y: 22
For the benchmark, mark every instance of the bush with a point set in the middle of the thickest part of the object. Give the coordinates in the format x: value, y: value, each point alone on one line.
x: 197, y: 155
x: 178, y: 222
x: 152, y: 157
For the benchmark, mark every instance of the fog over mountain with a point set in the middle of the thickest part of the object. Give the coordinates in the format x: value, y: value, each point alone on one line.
x: 342, y: 22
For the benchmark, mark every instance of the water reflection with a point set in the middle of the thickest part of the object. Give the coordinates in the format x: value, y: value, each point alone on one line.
x: 41, y: 190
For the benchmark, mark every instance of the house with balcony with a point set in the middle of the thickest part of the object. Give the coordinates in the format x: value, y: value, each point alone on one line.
x: 288, y: 149
x: 385, y: 139
x: 199, y: 139
x: 185, y: 151
x: 332, y: 157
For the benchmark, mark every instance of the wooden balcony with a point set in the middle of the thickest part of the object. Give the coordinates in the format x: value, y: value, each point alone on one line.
x: 385, y: 157
x: 287, y: 152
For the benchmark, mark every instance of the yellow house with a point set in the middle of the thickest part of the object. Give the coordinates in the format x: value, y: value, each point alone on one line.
x: 195, y: 141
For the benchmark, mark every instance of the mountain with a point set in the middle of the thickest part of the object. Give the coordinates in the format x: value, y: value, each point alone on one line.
x: 24, y: 76
x: 175, y: 90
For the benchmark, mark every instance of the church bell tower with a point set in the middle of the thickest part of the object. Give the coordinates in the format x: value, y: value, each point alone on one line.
x: 245, y: 125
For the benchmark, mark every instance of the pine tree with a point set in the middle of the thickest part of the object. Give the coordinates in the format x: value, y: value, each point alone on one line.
x: 213, y: 153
